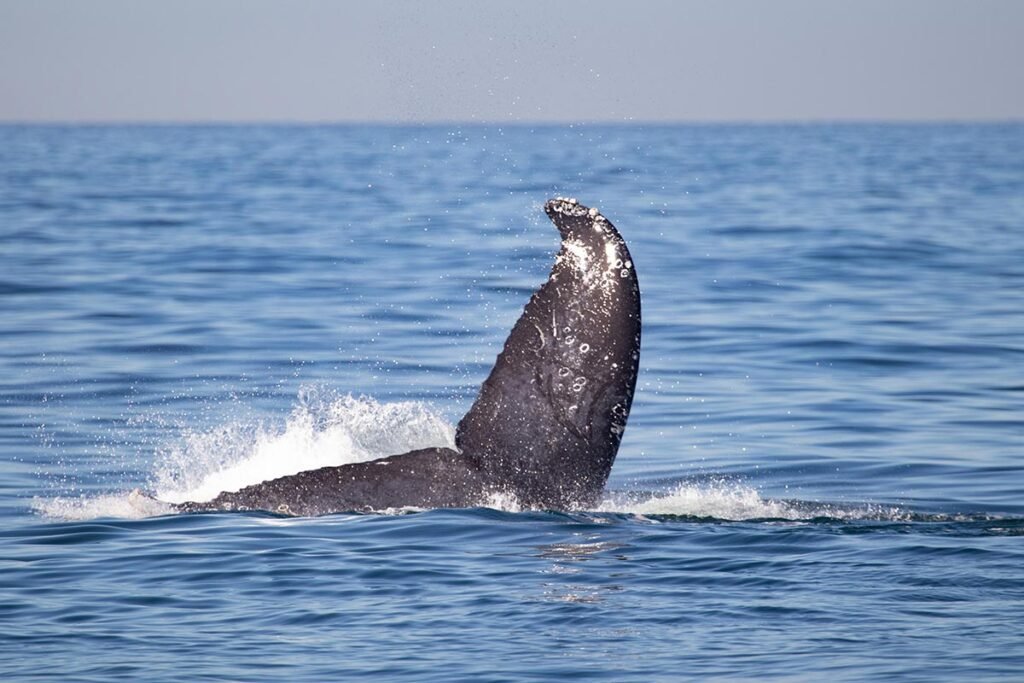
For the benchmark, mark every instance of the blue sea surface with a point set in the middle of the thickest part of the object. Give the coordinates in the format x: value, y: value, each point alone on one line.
x: 822, y: 476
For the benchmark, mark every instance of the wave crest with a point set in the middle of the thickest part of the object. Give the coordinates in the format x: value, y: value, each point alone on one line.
x: 735, y: 501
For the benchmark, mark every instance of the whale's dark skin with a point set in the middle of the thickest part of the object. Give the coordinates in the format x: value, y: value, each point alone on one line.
x: 547, y: 424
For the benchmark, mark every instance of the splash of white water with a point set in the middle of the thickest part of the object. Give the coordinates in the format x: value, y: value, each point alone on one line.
x: 719, y: 500
x: 328, y: 429
x: 734, y: 501
x: 323, y: 429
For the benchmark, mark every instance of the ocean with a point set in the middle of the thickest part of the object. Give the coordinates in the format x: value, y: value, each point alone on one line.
x: 822, y: 475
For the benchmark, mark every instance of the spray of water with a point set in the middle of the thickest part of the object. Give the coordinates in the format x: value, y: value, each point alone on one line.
x: 324, y: 429
x: 328, y: 429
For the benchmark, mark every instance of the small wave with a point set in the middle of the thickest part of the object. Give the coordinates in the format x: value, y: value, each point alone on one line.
x: 735, y: 501
x: 132, y: 505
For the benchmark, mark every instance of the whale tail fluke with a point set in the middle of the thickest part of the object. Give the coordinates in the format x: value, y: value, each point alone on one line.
x: 551, y: 414
x: 547, y: 423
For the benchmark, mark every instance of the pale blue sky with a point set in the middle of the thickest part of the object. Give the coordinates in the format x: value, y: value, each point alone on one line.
x: 313, y: 60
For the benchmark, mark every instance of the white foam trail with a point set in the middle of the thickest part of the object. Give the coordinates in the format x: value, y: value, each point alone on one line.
x: 122, y: 506
x: 720, y: 500
x: 734, y: 501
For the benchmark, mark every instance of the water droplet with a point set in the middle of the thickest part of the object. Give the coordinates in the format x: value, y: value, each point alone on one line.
x: 584, y: 348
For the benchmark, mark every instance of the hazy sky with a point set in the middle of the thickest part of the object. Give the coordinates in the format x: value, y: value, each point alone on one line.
x: 314, y: 60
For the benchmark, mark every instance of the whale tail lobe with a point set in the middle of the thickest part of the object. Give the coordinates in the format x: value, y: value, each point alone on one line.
x: 551, y: 414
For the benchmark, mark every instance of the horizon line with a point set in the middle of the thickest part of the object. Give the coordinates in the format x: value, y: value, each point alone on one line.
x: 516, y: 123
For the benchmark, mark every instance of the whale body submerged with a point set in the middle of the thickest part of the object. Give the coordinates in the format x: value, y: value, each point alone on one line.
x: 547, y: 424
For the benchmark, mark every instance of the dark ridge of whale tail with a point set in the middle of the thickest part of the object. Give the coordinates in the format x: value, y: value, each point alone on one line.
x: 548, y: 421
x: 551, y: 414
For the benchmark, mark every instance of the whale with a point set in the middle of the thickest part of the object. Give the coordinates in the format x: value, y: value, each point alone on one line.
x: 546, y: 425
